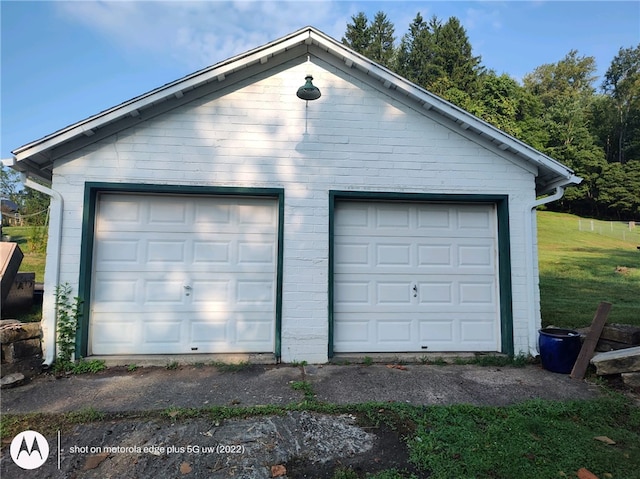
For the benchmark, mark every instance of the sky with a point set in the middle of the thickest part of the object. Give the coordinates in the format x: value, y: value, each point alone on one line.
x: 64, y: 61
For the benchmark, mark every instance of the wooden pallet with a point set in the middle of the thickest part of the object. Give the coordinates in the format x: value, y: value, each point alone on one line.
x: 10, y: 259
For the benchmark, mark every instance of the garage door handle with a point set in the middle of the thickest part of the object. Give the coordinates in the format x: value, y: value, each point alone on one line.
x: 415, y: 290
x: 187, y: 287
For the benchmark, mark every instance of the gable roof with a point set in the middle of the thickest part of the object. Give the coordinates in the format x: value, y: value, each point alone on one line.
x: 36, y: 158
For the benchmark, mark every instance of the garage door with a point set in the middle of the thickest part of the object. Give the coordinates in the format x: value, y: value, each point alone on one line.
x: 414, y: 277
x: 183, y: 274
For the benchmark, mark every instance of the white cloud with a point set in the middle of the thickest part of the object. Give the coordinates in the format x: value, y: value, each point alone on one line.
x: 479, y: 19
x: 198, y: 34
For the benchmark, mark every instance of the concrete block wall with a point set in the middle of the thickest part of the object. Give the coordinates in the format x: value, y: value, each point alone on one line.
x: 358, y: 136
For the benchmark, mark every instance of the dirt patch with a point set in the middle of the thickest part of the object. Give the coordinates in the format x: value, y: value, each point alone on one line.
x: 623, y: 270
x: 388, y: 452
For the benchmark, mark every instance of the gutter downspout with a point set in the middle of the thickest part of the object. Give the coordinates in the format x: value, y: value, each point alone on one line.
x: 52, y: 270
x: 532, y: 260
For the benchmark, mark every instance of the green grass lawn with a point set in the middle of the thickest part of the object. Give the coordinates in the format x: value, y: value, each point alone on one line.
x: 32, y: 242
x: 579, y: 268
x: 535, y: 439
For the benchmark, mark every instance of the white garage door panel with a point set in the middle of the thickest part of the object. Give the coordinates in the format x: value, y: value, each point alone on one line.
x: 114, y: 292
x: 415, y: 277
x: 406, y: 255
x: 190, y: 274
x: 391, y: 292
x: 409, y: 333
x: 128, y: 251
x: 164, y: 213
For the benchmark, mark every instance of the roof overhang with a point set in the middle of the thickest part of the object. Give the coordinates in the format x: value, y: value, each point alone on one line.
x: 37, y: 158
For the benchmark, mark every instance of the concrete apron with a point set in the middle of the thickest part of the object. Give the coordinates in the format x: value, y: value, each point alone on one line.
x: 148, y: 360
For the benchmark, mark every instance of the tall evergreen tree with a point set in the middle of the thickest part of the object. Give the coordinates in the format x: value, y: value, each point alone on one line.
x: 454, y: 55
x: 373, y: 39
x: 412, y: 55
x: 358, y: 34
x: 381, y: 48
x: 439, y: 58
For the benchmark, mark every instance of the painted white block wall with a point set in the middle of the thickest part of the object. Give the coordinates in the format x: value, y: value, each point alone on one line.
x: 259, y: 134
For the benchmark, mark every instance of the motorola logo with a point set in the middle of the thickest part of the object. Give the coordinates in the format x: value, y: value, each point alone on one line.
x: 29, y: 450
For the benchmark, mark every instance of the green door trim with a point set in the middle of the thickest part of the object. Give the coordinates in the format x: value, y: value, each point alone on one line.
x: 91, y: 194
x: 504, y: 247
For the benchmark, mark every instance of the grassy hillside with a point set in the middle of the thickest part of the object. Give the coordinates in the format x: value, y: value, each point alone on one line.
x: 582, y: 264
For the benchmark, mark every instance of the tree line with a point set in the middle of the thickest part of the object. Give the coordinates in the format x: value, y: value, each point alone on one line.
x: 558, y: 108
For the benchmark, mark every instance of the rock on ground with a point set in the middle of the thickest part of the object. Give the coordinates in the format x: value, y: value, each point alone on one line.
x: 11, y: 380
x: 615, y: 362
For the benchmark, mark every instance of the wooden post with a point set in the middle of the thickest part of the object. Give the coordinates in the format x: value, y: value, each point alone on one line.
x: 590, y: 342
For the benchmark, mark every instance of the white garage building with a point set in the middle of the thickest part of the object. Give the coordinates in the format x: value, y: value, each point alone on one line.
x: 221, y: 213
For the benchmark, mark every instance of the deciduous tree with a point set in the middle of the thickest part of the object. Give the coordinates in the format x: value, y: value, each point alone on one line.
x: 566, y: 91
x: 622, y: 85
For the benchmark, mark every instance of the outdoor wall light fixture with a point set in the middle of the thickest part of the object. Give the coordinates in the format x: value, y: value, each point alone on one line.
x: 308, y: 91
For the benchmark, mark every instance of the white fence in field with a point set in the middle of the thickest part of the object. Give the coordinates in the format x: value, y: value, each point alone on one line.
x: 625, y: 230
